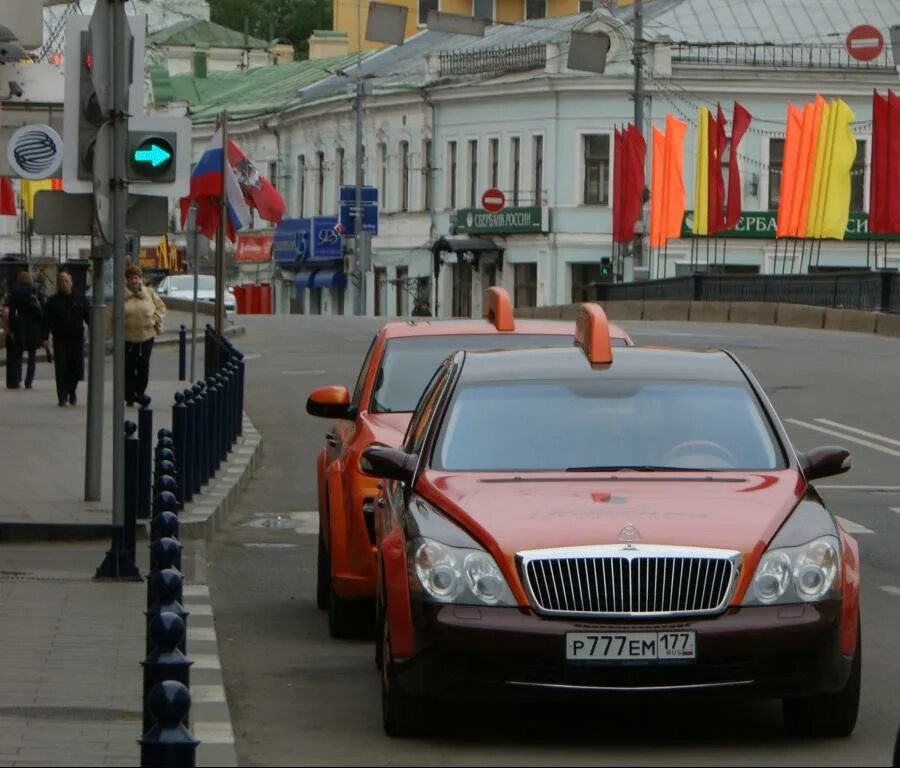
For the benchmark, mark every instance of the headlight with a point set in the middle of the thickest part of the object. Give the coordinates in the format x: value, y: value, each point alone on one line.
x: 806, y: 574
x: 458, y: 575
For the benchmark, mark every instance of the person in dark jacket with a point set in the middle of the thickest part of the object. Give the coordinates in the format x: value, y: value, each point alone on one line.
x: 65, y: 316
x: 25, y: 317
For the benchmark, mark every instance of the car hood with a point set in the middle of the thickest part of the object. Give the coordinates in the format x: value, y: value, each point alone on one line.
x: 388, y: 428
x: 511, y: 514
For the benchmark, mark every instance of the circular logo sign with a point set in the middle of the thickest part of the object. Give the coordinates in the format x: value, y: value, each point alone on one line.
x: 493, y: 200
x: 865, y: 43
x: 35, y: 152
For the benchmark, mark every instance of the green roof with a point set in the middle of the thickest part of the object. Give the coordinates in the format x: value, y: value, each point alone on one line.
x: 188, y: 33
x: 248, y: 94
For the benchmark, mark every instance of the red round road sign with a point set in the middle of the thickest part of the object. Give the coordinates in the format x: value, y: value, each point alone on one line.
x: 493, y: 200
x: 865, y: 42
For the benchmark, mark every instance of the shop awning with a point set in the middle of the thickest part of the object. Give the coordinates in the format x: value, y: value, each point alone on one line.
x: 328, y: 278
x: 301, y: 280
x: 463, y: 244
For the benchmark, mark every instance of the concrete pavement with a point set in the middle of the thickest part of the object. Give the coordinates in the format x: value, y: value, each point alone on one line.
x: 70, y: 674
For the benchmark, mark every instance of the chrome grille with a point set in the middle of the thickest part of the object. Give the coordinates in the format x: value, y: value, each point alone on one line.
x: 630, y: 581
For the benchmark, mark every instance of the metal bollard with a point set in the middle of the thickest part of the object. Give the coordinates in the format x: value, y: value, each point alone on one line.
x: 201, y: 473
x: 168, y: 742
x: 145, y: 436
x: 163, y: 502
x: 224, y: 429
x: 165, y: 525
x: 165, y: 552
x: 182, y: 354
x: 166, y: 590
x: 163, y: 432
x: 240, y: 407
x: 165, y: 442
x: 212, y: 412
x: 187, y: 484
x: 179, y: 427
x: 165, y: 661
x: 208, y: 367
x: 132, y: 485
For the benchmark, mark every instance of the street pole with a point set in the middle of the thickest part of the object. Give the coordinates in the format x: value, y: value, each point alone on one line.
x: 93, y: 465
x: 220, y: 235
x: 192, y: 228
x: 361, y: 238
x: 639, y: 108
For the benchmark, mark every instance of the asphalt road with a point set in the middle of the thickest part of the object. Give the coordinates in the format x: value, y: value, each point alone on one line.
x: 299, y: 698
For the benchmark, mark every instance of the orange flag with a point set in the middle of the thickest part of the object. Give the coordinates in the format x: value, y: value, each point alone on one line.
x: 656, y: 188
x: 787, y: 196
x: 673, y: 177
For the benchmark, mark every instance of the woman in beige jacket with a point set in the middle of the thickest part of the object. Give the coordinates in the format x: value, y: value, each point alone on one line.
x: 144, y: 315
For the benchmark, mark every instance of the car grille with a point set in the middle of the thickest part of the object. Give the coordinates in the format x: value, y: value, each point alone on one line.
x: 630, y: 581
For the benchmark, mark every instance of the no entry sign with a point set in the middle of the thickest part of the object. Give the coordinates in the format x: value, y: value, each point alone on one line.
x: 865, y: 42
x: 493, y: 200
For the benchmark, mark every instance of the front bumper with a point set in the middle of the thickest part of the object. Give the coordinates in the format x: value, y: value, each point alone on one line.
x: 777, y: 651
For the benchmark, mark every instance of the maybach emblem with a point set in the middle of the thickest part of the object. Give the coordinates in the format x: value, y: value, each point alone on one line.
x: 629, y: 534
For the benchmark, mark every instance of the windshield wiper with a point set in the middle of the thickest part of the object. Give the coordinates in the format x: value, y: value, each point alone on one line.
x: 635, y: 468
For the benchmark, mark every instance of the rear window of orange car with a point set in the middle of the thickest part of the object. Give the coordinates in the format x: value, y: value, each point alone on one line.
x: 596, y: 425
x: 409, y: 363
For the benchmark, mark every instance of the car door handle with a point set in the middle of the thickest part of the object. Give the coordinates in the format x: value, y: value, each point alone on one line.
x: 331, y: 439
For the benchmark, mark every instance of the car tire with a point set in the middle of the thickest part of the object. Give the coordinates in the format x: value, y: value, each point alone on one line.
x: 402, y: 715
x: 380, y: 621
x: 323, y: 574
x: 827, y: 715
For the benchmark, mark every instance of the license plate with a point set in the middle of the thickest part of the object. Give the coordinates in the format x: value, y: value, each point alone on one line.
x: 631, y: 646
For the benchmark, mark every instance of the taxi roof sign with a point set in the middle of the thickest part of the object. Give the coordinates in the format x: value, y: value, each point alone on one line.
x: 498, y: 309
x: 592, y: 334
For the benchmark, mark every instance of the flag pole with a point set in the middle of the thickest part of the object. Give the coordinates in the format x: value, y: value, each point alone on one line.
x: 220, y: 232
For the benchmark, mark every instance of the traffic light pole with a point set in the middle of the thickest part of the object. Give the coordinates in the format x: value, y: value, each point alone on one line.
x: 93, y: 465
x: 639, y: 109
x: 362, y: 239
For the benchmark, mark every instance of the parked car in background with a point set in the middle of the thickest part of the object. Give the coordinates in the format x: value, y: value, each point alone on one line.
x: 182, y: 287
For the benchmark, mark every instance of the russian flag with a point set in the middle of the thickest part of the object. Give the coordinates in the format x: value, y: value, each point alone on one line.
x: 258, y: 191
x: 207, y: 184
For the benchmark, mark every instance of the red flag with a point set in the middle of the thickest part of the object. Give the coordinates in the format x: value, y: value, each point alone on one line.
x: 619, y: 161
x: 7, y: 198
x: 892, y: 173
x: 258, y: 190
x: 718, y: 139
x: 878, y: 207
x: 740, y: 122
x: 633, y: 176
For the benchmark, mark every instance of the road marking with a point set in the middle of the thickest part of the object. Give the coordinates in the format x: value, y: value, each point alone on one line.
x: 895, y: 509
x: 207, y: 694
x: 892, y: 590
x: 851, y: 527
x: 266, y: 545
x: 873, y: 435
x: 879, y: 488
x: 843, y: 436
x: 213, y: 733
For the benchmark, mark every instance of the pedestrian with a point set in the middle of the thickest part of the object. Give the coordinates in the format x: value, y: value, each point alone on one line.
x: 65, y: 316
x: 25, y: 316
x: 421, y: 308
x: 144, y: 316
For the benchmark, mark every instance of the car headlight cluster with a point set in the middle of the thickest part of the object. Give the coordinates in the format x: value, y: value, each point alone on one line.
x: 458, y: 575
x: 806, y: 574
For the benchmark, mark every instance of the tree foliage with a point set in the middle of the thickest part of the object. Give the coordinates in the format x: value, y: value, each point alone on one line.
x: 292, y: 20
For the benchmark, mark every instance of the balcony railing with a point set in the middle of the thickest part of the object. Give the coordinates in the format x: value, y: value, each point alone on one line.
x: 795, y: 56
x: 511, y: 59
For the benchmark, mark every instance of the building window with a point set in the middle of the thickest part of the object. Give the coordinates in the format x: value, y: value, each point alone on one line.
x: 320, y: 182
x: 301, y: 181
x: 404, y: 175
x: 858, y: 178
x: 483, y: 9
x: 426, y: 174
x: 402, y: 291
x: 473, y: 172
x: 776, y: 162
x: 535, y: 9
x: 424, y: 7
x: 585, y: 6
x: 382, y: 174
x: 596, y: 169
x: 273, y: 173
x: 339, y: 161
x: 538, y: 154
x: 451, y: 170
x: 380, y: 274
x: 525, y: 285
x: 494, y: 162
x: 582, y: 277
x: 516, y: 149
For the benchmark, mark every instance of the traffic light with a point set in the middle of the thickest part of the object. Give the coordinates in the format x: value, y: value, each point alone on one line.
x: 606, y: 275
x: 90, y: 113
x: 151, y: 156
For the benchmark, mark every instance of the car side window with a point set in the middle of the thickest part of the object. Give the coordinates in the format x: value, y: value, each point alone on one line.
x: 418, y: 427
x: 360, y: 382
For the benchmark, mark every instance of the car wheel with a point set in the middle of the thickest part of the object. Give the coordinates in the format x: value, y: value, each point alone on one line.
x: 323, y: 574
x: 401, y: 714
x: 828, y: 715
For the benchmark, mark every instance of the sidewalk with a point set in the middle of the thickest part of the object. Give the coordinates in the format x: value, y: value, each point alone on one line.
x: 70, y: 674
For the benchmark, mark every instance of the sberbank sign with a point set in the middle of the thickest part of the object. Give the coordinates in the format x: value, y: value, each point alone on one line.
x: 509, y: 221
x: 761, y: 225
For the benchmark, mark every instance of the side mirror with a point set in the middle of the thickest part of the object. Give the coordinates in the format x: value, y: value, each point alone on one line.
x: 389, y: 463
x: 330, y: 403
x: 826, y: 461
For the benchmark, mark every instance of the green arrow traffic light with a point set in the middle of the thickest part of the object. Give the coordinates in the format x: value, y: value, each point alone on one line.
x: 155, y: 155
x: 152, y: 157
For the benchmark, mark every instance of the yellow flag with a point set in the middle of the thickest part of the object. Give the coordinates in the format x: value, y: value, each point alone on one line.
x: 28, y: 190
x: 836, y: 210
x: 701, y: 176
x: 818, y: 188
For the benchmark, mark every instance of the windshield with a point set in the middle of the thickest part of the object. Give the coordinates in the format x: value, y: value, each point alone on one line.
x: 409, y: 363
x: 604, y: 426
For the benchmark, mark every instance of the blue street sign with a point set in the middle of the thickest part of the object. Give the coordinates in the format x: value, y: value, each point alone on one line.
x: 369, y: 219
x: 327, y: 244
x: 291, y: 240
x: 348, y: 195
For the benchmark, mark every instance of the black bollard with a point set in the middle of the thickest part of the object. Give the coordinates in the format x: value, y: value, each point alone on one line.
x: 168, y: 742
x: 163, y: 432
x: 164, y: 661
x: 208, y: 367
x: 182, y: 354
x: 179, y: 427
x: 165, y: 552
x: 145, y: 436
x: 165, y: 442
x: 240, y: 407
x: 222, y: 382
x: 187, y: 482
x: 132, y: 484
x: 165, y: 525
x: 201, y: 475
x: 163, y: 502
x: 166, y: 591
x: 212, y: 413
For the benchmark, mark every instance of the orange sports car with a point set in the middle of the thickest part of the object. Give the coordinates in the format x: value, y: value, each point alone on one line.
x: 401, y: 359
x: 583, y: 520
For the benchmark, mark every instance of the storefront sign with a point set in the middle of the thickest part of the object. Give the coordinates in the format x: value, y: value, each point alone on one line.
x: 760, y: 225
x: 253, y: 248
x: 532, y: 219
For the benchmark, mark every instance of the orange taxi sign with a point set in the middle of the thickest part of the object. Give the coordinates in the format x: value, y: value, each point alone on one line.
x: 592, y: 334
x: 498, y: 309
